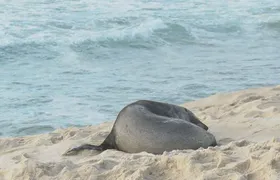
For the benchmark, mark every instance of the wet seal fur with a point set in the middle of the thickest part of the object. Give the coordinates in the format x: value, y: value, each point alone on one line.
x: 154, y: 127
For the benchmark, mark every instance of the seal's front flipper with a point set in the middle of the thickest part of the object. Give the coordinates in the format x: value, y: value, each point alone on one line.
x: 76, y: 150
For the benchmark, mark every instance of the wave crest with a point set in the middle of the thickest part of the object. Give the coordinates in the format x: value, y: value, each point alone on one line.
x: 148, y: 34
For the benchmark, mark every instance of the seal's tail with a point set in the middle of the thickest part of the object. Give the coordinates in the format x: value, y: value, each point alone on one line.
x: 76, y: 150
x: 108, y: 143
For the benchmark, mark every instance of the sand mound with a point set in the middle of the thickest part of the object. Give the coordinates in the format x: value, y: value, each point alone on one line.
x: 245, y: 123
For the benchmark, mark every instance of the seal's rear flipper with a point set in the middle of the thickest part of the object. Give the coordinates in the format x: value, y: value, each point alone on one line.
x: 76, y: 150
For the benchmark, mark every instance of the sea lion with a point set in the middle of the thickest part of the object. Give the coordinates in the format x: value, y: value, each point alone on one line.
x: 154, y: 127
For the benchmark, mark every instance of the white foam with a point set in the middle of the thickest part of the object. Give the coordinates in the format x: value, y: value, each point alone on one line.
x: 143, y: 30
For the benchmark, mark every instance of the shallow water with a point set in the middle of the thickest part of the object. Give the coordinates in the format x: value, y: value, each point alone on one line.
x: 76, y: 63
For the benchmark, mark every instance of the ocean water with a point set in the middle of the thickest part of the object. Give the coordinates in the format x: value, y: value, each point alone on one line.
x: 77, y: 63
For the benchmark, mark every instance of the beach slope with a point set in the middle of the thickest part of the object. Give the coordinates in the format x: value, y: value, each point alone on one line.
x: 246, y: 125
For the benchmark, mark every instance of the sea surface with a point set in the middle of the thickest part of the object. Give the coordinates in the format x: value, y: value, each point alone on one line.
x: 76, y: 63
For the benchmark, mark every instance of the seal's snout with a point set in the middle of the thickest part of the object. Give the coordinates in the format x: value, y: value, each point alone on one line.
x: 214, y: 144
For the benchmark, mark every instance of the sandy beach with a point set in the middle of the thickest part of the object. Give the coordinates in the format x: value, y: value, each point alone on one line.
x: 246, y: 125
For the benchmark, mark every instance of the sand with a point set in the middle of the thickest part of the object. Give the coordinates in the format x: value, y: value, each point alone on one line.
x: 246, y: 124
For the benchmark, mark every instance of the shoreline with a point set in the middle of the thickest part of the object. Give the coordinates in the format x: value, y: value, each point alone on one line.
x: 186, y: 104
x: 246, y: 124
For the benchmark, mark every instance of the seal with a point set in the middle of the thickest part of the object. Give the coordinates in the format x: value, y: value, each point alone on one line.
x: 153, y: 127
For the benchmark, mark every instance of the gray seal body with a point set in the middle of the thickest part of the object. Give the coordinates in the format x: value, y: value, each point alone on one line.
x: 154, y: 127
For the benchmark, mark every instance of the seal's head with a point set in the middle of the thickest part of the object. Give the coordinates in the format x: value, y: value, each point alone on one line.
x: 195, y: 120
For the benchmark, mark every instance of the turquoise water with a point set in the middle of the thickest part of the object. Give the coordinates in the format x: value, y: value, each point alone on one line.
x: 76, y: 63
